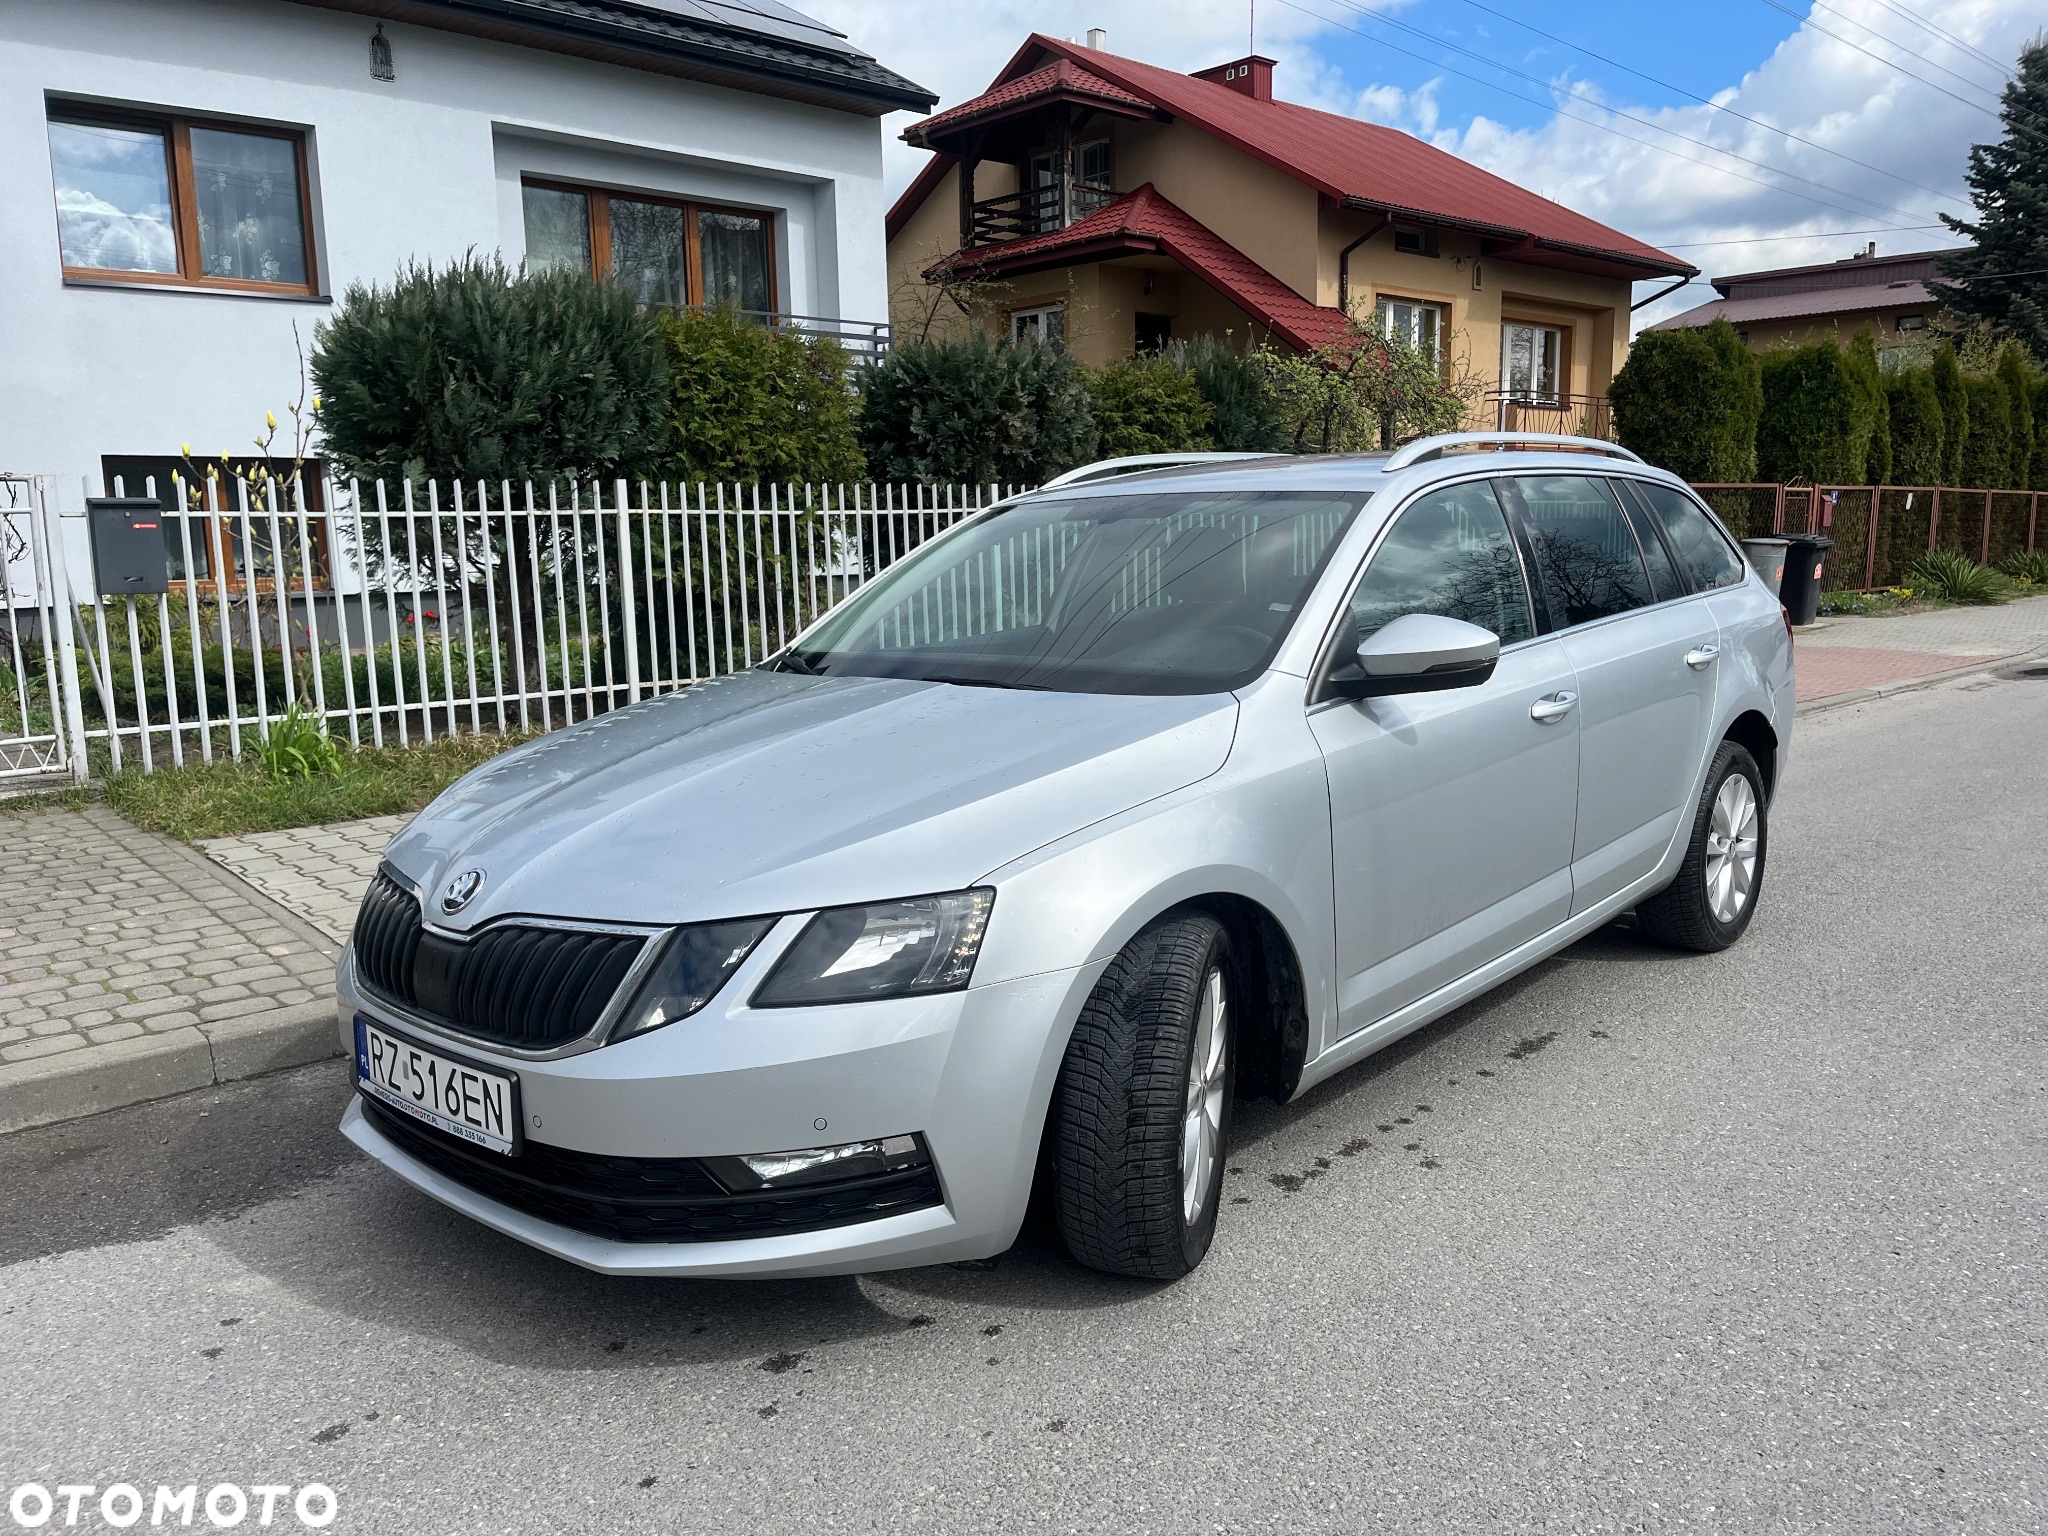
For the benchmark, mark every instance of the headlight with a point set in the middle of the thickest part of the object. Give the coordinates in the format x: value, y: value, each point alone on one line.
x: 890, y: 949
x: 696, y: 963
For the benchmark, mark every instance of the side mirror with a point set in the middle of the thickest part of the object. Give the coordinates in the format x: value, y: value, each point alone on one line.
x: 1416, y: 653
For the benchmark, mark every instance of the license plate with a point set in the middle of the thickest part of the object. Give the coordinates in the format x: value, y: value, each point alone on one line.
x: 481, y: 1107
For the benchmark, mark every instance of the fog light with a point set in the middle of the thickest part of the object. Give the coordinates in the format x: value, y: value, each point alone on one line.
x: 819, y: 1165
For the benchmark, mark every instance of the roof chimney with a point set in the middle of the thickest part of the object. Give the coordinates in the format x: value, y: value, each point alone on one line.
x: 1251, y: 77
x: 1098, y: 39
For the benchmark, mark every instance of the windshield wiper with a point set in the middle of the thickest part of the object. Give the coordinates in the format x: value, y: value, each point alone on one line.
x: 794, y: 661
x: 978, y: 682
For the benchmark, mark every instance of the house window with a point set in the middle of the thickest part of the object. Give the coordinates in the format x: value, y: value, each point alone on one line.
x: 1529, y: 357
x: 667, y: 252
x: 1411, y: 241
x: 1044, y: 322
x: 176, y: 201
x: 1412, y: 323
x: 1912, y: 322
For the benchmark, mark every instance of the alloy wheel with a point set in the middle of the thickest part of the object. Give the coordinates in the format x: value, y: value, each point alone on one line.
x: 1201, y: 1139
x: 1731, y: 849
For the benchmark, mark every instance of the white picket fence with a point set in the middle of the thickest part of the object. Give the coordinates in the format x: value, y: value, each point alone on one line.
x: 401, y: 613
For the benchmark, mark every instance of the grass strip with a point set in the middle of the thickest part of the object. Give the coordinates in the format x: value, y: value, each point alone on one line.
x: 224, y: 798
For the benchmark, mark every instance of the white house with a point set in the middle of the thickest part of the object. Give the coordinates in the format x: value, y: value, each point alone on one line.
x: 189, y: 181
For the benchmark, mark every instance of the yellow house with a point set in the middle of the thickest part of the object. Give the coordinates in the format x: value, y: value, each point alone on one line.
x: 1117, y: 205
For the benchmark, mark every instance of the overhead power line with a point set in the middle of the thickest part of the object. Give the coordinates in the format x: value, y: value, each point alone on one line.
x: 1808, y: 21
x: 1824, y: 234
x: 1946, y: 36
x: 1705, y: 101
x: 1551, y: 106
x: 1910, y: 48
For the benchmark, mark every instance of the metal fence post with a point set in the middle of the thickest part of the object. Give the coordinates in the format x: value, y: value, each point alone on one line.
x: 1870, y: 540
x: 61, y: 611
x: 628, y: 610
x: 1986, y: 556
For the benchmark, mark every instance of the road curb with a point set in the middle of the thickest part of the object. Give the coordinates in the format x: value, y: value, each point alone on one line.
x: 1912, y: 684
x: 97, y: 1078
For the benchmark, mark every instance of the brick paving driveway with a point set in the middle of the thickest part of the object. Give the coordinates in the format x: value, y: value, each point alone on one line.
x: 1847, y: 655
x: 108, y: 933
x: 318, y: 872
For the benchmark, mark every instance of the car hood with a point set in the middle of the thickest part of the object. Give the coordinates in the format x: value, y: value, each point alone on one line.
x: 771, y: 792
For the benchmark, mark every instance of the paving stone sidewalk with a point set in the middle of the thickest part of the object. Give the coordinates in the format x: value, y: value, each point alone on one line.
x: 1853, y: 656
x: 130, y: 967
x: 318, y: 872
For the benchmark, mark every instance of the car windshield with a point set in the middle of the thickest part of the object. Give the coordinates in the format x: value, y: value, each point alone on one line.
x: 1165, y: 593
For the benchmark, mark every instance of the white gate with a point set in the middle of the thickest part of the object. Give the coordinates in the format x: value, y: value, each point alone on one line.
x: 42, y: 731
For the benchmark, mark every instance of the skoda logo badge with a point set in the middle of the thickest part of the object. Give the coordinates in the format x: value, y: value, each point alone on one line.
x: 462, y: 890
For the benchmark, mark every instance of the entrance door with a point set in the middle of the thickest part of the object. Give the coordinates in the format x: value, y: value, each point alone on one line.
x: 1451, y: 813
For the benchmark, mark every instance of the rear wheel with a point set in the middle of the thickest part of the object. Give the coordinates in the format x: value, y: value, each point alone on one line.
x: 1711, y: 902
x: 1141, y: 1116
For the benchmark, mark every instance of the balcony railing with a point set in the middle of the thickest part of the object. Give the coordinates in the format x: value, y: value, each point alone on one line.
x: 1036, y: 211
x: 1521, y: 410
x: 865, y: 341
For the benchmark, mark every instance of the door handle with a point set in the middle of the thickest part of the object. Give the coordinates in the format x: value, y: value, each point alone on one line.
x: 1552, y: 707
x: 1700, y: 656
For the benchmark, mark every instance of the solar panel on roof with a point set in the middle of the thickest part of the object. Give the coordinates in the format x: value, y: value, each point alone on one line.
x: 765, y: 18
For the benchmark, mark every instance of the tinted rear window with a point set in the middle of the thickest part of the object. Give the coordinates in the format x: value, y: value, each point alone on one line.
x: 1702, y: 549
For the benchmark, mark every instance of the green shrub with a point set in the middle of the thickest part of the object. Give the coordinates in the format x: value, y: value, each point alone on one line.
x: 976, y: 411
x: 1954, y: 397
x: 1689, y: 401
x: 1953, y: 577
x: 476, y: 372
x: 1914, y: 414
x: 751, y: 404
x: 298, y: 747
x: 1873, y: 414
x: 1987, y: 451
x: 2039, y: 477
x: 1245, y: 418
x: 1150, y: 405
x: 1817, y: 419
x: 2030, y: 568
x: 2019, y: 382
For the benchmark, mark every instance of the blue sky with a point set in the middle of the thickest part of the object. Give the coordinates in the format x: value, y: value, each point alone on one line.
x: 1871, y: 147
x: 1698, y: 48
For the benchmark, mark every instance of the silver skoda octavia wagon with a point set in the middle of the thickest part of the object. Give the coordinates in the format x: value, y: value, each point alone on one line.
x: 1160, y: 787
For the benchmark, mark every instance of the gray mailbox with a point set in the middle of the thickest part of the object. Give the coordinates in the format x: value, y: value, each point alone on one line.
x: 128, y: 551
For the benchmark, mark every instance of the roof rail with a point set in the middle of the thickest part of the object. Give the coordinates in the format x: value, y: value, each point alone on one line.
x: 1423, y: 449
x: 1130, y: 464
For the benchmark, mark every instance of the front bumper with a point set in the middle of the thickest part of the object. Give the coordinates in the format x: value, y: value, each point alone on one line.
x: 973, y: 1071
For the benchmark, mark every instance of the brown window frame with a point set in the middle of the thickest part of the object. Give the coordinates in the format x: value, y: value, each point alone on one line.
x: 177, y: 131
x: 598, y: 205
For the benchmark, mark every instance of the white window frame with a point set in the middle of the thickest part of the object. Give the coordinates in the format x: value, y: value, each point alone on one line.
x: 1040, y: 322
x: 1392, y: 323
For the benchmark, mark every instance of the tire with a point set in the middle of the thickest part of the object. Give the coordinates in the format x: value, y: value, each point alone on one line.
x: 1696, y: 911
x: 1123, y: 1107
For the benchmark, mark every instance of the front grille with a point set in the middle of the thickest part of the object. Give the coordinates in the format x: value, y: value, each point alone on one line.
x: 649, y: 1199
x: 517, y: 984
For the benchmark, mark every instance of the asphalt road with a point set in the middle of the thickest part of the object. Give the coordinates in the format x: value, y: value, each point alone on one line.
x: 1643, y: 1242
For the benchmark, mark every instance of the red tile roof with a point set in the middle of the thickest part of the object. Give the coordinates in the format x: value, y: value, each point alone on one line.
x: 1143, y: 222
x: 1349, y: 160
x: 1061, y: 78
